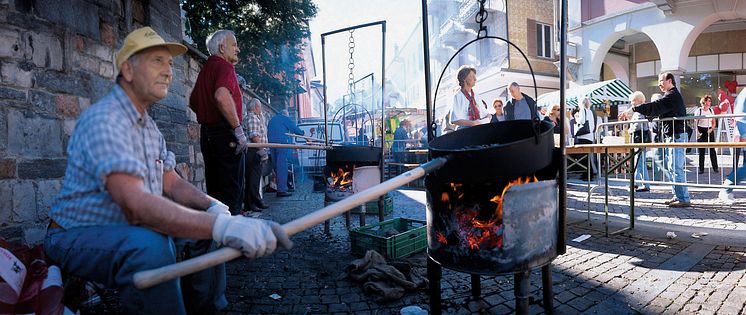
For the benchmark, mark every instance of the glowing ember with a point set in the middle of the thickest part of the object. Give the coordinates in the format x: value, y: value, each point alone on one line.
x: 477, y: 231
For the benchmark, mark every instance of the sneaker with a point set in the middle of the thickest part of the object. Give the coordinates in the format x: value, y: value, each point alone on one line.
x: 261, y: 204
x: 668, y: 202
x: 726, y: 197
x: 643, y: 189
x: 283, y: 194
x: 680, y: 204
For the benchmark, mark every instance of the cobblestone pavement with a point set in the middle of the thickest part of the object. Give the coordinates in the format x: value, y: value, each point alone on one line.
x: 627, y: 273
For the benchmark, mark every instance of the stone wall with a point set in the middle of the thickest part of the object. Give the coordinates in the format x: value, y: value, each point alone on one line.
x: 56, y: 58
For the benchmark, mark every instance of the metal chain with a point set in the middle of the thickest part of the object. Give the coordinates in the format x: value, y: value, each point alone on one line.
x: 480, y: 18
x: 351, y: 65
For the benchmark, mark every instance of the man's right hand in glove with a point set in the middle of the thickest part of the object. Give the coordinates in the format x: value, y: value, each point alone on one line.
x: 241, y: 137
x: 254, y: 238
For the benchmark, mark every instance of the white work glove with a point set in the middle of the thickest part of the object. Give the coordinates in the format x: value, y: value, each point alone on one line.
x: 241, y: 137
x: 217, y: 208
x: 253, y: 237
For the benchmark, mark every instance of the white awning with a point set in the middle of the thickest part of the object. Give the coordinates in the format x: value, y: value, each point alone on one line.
x: 614, y: 91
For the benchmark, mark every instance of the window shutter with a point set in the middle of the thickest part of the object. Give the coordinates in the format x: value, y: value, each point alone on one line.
x: 531, y: 40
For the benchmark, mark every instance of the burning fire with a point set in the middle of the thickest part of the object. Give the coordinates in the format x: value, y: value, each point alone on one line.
x: 340, y: 179
x: 475, y: 231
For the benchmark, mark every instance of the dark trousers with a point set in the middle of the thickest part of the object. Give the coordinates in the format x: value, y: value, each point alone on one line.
x: 203, y: 291
x: 252, y: 177
x: 705, y: 136
x: 224, y: 169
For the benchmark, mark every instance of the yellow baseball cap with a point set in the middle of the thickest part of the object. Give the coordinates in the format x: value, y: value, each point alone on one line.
x: 143, y: 38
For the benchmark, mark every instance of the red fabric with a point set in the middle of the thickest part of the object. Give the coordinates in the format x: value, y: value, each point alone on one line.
x: 33, y: 299
x: 473, y: 110
x: 216, y: 73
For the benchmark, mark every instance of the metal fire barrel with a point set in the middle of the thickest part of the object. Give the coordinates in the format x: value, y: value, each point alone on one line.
x: 529, y: 232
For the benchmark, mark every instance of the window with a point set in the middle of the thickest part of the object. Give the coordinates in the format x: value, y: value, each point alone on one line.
x: 543, y: 40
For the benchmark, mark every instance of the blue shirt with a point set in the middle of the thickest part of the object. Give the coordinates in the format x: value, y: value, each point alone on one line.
x: 110, y: 137
x: 522, y: 111
x: 278, y: 126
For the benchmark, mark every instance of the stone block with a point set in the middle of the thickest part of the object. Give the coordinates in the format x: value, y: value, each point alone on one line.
x: 42, y: 168
x: 75, y: 83
x: 34, y: 136
x: 78, y: 15
x: 183, y: 170
x: 84, y: 102
x: 6, y: 195
x: 14, y: 75
x: 191, y: 154
x: 108, y: 34
x: 103, y: 52
x: 7, y: 168
x: 199, y: 174
x: 34, y: 235
x: 44, y: 50
x: 12, y: 45
x: 12, y: 94
x: 24, y: 202
x: 101, y: 86
x: 46, y: 190
x: 3, y: 130
x: 86, y: 62
x: 68, y: 125
x: 67, y: 105
x: 11, y: 233
x: 42, y: 102
x: 106, y: 70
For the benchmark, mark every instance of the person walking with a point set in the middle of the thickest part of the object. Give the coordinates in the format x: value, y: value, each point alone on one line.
x: 255, y: 158
x: 122, y: 203
x: 706, y: 132
x: 278, y: 126
x: 216, y: 99
x: 670, y: 105
x: 520, y: 106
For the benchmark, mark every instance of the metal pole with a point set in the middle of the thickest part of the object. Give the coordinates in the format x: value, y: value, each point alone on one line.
x: 323, y: 71
x: 426, y: 54
x: 562, y: 182
x: 381, y: 204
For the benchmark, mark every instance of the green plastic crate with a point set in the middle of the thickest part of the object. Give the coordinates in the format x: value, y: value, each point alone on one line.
x: 371, y: 207
x: 395, y: 238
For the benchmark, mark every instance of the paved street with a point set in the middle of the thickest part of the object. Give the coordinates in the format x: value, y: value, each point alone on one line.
x: 629, y: 273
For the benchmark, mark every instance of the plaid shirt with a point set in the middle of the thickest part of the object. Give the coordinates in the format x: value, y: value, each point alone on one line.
x: 110, y: 137
x: 254, y: 125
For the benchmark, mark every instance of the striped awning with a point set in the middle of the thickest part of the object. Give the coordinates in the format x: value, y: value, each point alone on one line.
x: 614, y: 91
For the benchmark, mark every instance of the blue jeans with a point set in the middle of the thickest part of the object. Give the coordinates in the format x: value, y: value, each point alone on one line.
x: 110, y: 255
x: 735, y: 177
x: 674, y: 159
x: 641, y: 171
x: 280, y: 165
x: 224, y: 169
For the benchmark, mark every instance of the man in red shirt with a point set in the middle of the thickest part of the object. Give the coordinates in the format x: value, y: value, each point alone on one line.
x: 216, y: 99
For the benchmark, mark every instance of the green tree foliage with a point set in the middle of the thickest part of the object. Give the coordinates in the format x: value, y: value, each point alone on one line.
x: 270, y: 36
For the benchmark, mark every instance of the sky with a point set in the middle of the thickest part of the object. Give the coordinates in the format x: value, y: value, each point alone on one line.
x: 401, y: 17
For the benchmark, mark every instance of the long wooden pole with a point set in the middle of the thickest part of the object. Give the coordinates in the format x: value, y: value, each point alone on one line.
x: 304, y: 137
x: 289, y: 146
x: 149, y: 278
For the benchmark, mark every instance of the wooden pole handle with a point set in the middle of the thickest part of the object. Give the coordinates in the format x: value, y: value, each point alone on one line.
x: 148, y: 278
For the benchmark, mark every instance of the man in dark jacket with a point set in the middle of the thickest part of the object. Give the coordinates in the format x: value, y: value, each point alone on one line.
x: 520, y: 106
x: 670, y: 105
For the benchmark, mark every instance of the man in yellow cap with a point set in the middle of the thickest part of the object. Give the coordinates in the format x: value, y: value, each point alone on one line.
x: 121, y: 200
